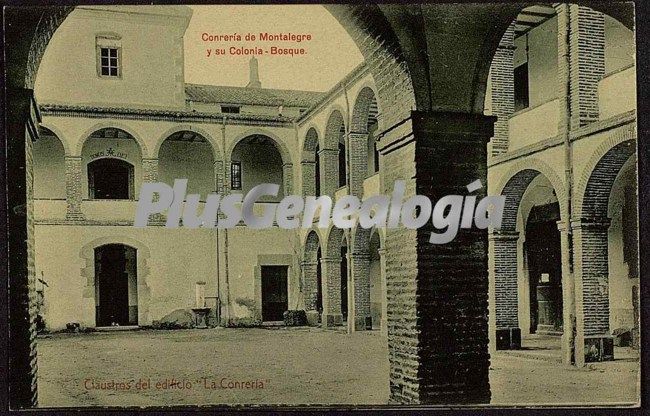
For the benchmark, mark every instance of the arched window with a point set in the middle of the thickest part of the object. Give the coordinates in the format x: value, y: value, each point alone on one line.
x: 110, y: 179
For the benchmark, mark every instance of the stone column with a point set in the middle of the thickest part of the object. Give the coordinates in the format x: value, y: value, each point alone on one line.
x: 438, y: 294
x: 329, y: 168
x: 593, y: 341
x: 360, y: 269
x: 568, y: 295
x: 287, y: 178
x: 506, y: 307
x: 331, y: 279
x: 358, y: 162
x: 310, y: 290
x: 502, y: 78
x: 73, y: 192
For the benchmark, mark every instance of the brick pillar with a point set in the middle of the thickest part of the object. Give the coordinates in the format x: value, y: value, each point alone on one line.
x: 219, y: 177
x: 287, y: 178
x: 308, y: 169
x: 437, y: 294
x: 309, y: 271
x: 73, y: 191
x: 568, y: 294
x: 508, y: 333
x: 503, y: 90
x: 22, y: 129
x: 331, y: 275
x: 329, y: 171
x: 593, y: 339
x: 358, y: 162
x: 150, y: 174
x: 384, y: 294
x: 581, y: 63
x: 360, y: 269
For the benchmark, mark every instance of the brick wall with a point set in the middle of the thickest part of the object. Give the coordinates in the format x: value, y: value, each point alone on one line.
x: 73, y: 180
x: 503, y: 91
x: 581, y: 64
x: 21, y: 272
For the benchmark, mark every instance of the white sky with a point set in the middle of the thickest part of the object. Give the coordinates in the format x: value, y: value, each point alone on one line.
x: 331, y: 54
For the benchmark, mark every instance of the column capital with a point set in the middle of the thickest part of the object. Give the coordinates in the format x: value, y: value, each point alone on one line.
x: 501, y: 235
x: 309, y: 263
x: 330, y: 260
x: 592, y: 223
x: 71, y: 157
x: 326, y: 151
x: 150, y: 159
x: 454, y: 123
x: 359, y: 256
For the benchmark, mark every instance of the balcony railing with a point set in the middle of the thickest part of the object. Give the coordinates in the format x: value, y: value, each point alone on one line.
x: 50, y: 209
x: 617, y: 93
x: 534, y: 124
x: 371, y: 186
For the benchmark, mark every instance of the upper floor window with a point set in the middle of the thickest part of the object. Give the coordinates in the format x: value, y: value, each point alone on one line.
x: 109, y: 56
x: 235, y: 175
x: 230, y: 109
x: 110, y: 179
x: 521, y: 87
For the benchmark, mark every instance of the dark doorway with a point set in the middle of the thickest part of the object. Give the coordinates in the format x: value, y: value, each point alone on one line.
x: 319, y: 286
x: 342, y: 165
x: 274, y: 292
x: 544, y: 269
x: 110, y: 179
x: 317, y: 169
x: 344, y: 282
x: 116, y: 285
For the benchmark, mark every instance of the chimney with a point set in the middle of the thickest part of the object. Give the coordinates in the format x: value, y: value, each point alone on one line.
x: 254, y: 77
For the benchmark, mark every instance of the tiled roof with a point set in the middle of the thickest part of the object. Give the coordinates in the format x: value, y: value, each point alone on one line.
x: 250, y: 96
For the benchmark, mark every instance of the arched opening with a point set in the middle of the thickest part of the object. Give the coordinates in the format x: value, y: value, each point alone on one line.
x: 623, y: 256
x: 113, y: 161
x: 604, y: 195
x: 334, y: 269
x: 319, y: 285
x: 364, y: 126
x: 256, y: 160
x: 312, y: 280
x: 49, y: 166
x: 188, y: 155
x: 342, y: 163
x: 376, y: 281
x: 317, y: 180
x: 110, y: 178
x: 116, y: 285
x: 527, y: 264
x: 344, y: 279
x: 542, y: 259
x: 332, y: 160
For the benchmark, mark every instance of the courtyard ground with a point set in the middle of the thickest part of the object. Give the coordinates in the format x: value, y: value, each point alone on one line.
x: 283, y: 366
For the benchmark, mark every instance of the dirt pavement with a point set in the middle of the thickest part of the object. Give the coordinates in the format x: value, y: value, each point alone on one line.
x: 278, y: 366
